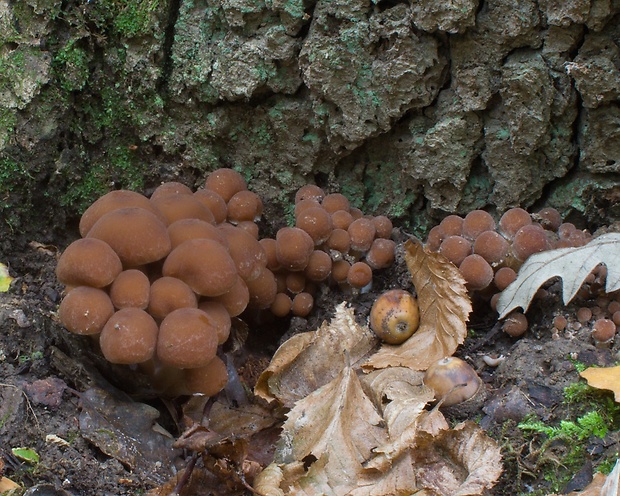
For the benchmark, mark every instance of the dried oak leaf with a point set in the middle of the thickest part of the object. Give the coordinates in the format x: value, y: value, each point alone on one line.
x: 604, y: 378
x: 463, y: 461
x: 444, y: 309
x: 310, y: 360
x: 572, y: 265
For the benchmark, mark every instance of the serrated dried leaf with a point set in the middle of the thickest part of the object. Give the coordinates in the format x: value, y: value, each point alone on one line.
x: 463, y: 461
x: 604, y: 378
x: 572, y: 265
x: 303, y: 364
x: 444, y: 309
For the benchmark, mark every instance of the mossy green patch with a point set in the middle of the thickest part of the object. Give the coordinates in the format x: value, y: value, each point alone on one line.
x: 71, y: 65
x: 128, y: 18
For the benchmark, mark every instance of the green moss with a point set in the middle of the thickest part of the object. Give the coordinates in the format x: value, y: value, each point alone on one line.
x: 8, y: 119
x: 71, y: 65
x: 16, y: 186
x: 128, y: 18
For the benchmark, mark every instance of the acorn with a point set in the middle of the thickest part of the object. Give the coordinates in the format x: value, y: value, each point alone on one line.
x: 453, y: 380
x: 395, y: 316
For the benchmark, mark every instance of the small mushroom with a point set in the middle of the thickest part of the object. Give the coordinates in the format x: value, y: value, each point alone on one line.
x: 319, y: 266
x: 455, y: 249
x: 317, y: 222
x: 208, y: 380
x: 219, y: 318
x: 129, y: 337
x: 528, y: 240
x: 245, y: 250
x: 185, y: 229
x: 452, y: 225
x: 603, y: 332
x: 213, y: 202
x: 88, y: 262
x: 309, y: 191
x: 359, y: 275
x: 477, y: 272
x: 383, y: 226
x: 85, y: 310
x: 262, y: 290
x: 381, y: 253
x: 513, y: 220
x: 244, y: 205
x: 362, y: 233
x: 476, y: 222
x: 170, y: 188
x: 302, y: 304
x: 225, y: 182
x: 336, y: 201
x: 515, y: 324
x: 168, y: 294
x: 236, y: 299
x: 293, y: 248
x: 131, y: 288
x: 176, y: 207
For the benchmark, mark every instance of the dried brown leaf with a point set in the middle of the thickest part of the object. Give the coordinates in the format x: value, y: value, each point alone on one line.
x: 572, y: 265
x: 463, y: 461
x: 604, y: 378
x: 444, y: 309
x: 308, y: 361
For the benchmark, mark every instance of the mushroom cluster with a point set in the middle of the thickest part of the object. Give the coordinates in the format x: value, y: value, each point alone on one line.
x: 489, y: 254
x: 157, y: 280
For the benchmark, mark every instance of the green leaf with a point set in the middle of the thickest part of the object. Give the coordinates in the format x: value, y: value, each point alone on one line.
x: 5, y: 278
x: 26, y: 455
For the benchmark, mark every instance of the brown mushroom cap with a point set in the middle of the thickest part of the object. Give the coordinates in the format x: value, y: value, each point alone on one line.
x: 187, y: 339
x: 185, y: 229
x: 455, y: 249
x: 477, y: 272
x: 492, y: 246
x: 381, y: 253
x: 136, y: 235
x: 476, y: 222
x: 176, y: 207
x: 225, y: 182
x: 269, y: 245
x: 341, y: 219
x: 204, y: 265
x: 512, y: 220
x: 319, y: 266
x: 85, y: 310
x: 317, y: 222
x: 131, y: 288
x: 171, y: 188
x: 129, y: 336
x: 213, y: 202
x: 362, y: 232
x: 281, y: 305
x: 236, y: 299
x: 339, y: 240
x: 88, y: 262
x: 528, y: 240
x: 219, y: 317
x: 208, y: 380
x: 168, y: 294
x: 359, y: 275
x: 262, y: 290
x: 383, y: 225
x: 336, y: 201
x: 293, y: 248
x: 302, y: 304
x: 452, y: 225
x: 309, y: 191
x: 244, y: 205
x: 245, y: 250
x: 111, y: 201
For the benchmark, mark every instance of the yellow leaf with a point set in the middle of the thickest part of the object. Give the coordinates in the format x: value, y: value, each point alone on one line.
x: 5, y: 278
x: 444, y: 309
x: 7, y: 485
x: 604, y: 378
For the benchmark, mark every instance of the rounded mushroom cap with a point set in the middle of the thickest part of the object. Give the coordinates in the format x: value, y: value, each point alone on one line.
x: 383, y: 226
x: 85, y: 310
x: 236, y: 299
x: 319, y: 266
x: 339, y: 240
x: 492, y: 246
x: 340, y: 270
x: 204, y: 265
x: 131, y: 288
x: 362, y: 233
x: 177, y: 207
x: 244, y: 205
x: 302, y: 304
x: 476, y: 222
x: 136, y: 235
x: 168, y: 294
x: 476, y: 271
x: 220, y: 318
x: 262, y: 290
x: 359, y: 275
x: 129, y: 336
x: 213, y: 202
x: 381, y: 253
x: 603, y: 331
x: 309, y: 191
x: 111, y: 201
x: 187, y: 339
x: 528, y: 240
x: 549, y: 218
x: 452, y: 225
x: 245, y: 250
x: 281, y: 305
x: 317, y: 222
x: 515, y: 324
x: 341, y: 219
x: 513, y: 220
x: 185, y: 229
x: 504, y: 277
x: 208, y: 380
x: 455, y: 249
x: 296, y: 281
x: 225, y: 182
x: 88, y: 262
x: 293, y: 248
x: 452, y: 379
x: 170, y: 188
x: 269, y: 245
x: 336, y: 201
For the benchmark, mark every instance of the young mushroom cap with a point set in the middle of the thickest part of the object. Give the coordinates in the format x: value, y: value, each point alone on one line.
x: 362, y: 233
x: 168, y: 294
x: 176, y: 207
x: 339, y: 240
x: 476, y: 222
x: 381, y: 253
x: 171, y: 188
x: 603, y: 331
x: 359, y: 275
x: 293, y: 248
x: 309, y: 191
x: 492, y: 246
x: 220, y: 318
x: 302, y: 304
x: 549, y: 218
x: 317, y: 222
x: 111, y: 201
x: 187, y: 339
x: 245, y: 250
x: 455, y: 248
x: 383, y: 226
x: 185, y: 229
x: 341, y: 219
x: 452, y: 225
x: 513, y: 220
x: 131, y: 288
x: 85, y: 310
x: 477, y: 272
x: 336, y: 201
x: 515, y: 324
x: 136, y: 235
x: 236, y: 299
x: 528, y: 240
x: 504, y: 277
x: 204, y: 265
x: 244, y: 205
x: 225, y: 182
x: 129, y: 337
x: 88, y: 262
x: 319, y: 266
x: 296, y: 281
x: 262, y: 290
x: 208, y: 380
x: 269, y: 245
x: 340, y: 270
x: 281, y: 305
x: 213, y: 202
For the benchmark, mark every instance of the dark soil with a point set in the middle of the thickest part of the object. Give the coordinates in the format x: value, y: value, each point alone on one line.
x: 44, y: 373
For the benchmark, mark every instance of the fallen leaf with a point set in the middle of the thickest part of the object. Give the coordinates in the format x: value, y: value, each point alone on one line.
x: 604, y: 378
x: 5, y: 278
x: 308, y: 361
x: 7, y: 484
x: 26, y: 454
x: 601, y: 485
x: 463, y: 461
x: 572, y: 265
x: 444, y: 309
